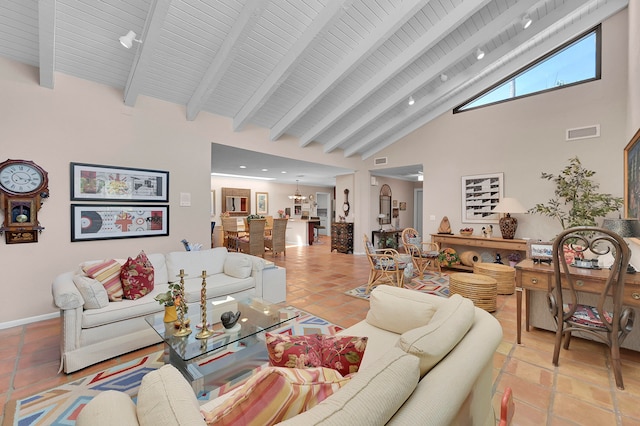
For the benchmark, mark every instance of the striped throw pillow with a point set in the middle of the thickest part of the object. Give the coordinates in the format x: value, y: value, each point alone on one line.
x: 108, y: 273
x: 276, y: 394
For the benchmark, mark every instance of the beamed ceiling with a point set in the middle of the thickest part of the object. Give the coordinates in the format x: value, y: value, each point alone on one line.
x: 335, y: 73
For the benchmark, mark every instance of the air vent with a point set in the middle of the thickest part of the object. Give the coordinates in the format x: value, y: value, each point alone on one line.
x: 380, y: 161
x: 583, y: 132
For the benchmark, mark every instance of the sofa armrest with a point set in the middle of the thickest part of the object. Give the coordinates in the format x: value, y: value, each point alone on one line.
x: 108, y: 408
x: 65, y: 293
x: 257, y: 265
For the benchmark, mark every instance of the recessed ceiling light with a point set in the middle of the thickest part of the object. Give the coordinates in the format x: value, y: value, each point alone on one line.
x: 411, y: 100
x: 479, y: 54
x: 283, y: 171
x: 265, y: 170
x: 526, y: 22
x: 444, y: 77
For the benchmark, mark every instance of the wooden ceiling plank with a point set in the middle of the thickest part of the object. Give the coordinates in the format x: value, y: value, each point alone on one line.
x: 223, y: 59
x: 144, y: 54
x: 313, y: 34
x: 444, y: 102
x: 351, y: 62
x: 46, y: 41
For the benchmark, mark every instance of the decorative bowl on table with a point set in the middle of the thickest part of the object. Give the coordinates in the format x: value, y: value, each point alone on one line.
x: 466, y: 232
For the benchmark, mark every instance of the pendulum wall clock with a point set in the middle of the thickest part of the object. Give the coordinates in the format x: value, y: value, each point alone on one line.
x: 23, y: 187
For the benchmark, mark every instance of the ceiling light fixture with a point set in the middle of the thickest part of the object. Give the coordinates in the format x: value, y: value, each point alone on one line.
x: 479, y: 53
x: 127, y: 40
x: 297, y: 194
x: 411, y: 100
x: 444, y: 77
x: 526, y: 22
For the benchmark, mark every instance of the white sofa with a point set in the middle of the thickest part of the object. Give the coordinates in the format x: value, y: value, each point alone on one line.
x: 91, y: 333
x: 438, y: 373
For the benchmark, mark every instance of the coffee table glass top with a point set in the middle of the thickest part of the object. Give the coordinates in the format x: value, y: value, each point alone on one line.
x: 257, y: 315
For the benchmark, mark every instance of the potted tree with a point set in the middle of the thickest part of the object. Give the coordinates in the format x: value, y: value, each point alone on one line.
x: 577, y: 201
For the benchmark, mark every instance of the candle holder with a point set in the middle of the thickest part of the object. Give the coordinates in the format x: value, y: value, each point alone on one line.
x: 184, y: 329
x: 205, y: 332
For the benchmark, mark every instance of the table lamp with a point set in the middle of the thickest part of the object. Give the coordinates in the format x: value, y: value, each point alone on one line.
x: 380, y: 217
x: 508, y: 224
x: 626, y: 228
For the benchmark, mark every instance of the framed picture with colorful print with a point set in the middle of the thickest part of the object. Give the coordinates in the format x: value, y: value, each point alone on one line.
x: 93, y: 182
x: 632, y: 178
x: 106, y: 222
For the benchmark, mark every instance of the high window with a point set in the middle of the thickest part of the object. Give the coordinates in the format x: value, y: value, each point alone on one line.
x: 575, y: 62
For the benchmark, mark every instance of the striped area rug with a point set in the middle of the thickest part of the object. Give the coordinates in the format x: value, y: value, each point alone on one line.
x: 60, y: 406
x: 431, y: 284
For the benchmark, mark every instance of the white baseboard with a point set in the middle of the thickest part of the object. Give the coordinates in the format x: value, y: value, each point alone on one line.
x: 29, y: 320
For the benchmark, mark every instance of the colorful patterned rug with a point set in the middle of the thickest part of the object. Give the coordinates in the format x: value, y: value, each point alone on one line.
x: 431, y: 284
x: 60, y: 406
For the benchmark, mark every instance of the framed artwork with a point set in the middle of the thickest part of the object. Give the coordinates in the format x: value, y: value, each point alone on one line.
x: 395, y: 212
x: 403, y: 205
x: 632, y: 178
x: 262, y: 203
x: 480, y: 195
x: 540, y: 251
x: 107, y: 222
x: 93, y: 182
x: 236, y: 201
x: 395, y: 203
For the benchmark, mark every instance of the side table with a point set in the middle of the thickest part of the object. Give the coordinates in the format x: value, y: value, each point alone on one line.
x: 274, y: 284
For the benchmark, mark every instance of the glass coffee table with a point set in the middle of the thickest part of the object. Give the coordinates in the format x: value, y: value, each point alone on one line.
x: 217, y: 358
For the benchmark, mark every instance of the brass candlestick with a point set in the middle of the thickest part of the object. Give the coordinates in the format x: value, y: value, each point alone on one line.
x: 205, y: 332
x: 183, y: 330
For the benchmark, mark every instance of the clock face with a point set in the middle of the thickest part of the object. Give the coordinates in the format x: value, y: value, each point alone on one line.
x: 20, y: 178
x: 345, y: 207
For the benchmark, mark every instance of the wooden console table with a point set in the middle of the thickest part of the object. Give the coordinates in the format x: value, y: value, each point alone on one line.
x: 539, y: 277
x: 495, y: 243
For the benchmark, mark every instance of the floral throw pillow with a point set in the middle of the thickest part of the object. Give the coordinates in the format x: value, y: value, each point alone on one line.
x: 137, y: 277
x: 341, y: 353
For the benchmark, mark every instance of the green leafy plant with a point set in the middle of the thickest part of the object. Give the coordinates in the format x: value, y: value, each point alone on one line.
x: 254, y: 216
x: 173, y: 297
x: 577, y: 201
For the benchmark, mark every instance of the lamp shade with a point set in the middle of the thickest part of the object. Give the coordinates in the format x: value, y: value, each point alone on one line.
x: 626, y: 228
x: 509, y: 205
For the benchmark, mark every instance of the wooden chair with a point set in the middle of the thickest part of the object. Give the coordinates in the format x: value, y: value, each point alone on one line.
x: 276, y: 242
x: 268, y: 226
x: 231, y: 232
x: 253, y: 242
x: 386, y: 266
x: 423, y: 254
x: 608, y: 321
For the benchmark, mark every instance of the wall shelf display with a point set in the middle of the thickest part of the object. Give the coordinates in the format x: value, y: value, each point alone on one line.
x: 236, y: 201
x: 480, y: 195
x: 106, y: 222
x: 92, y: 182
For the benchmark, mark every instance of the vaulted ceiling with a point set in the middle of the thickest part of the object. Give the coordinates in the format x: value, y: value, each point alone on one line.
x: 336, y: 73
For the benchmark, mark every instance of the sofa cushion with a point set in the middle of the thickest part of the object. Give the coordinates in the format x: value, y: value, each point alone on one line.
x: 137, y: 276
x: 93, y: 292
x: 218, y: 285
x: 194, y: 262
x: 276, y: 394
x: 371, y: 397
x: 237, y: 266
x: 435, y: 340
x: 398, y: 310
x: 159, y: 267
x: 165, y: 398
x: 108, y: 273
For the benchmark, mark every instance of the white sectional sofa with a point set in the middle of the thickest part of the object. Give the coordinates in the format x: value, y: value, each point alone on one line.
x: 93, y: 332
x: 428, y: 361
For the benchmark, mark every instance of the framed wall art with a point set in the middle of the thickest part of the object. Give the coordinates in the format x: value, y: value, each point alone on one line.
x: 236, y: 201
x: 262, y: 203
x: 632, y: 178
x: 106, y: 222
x: 403, y: 205
x: 480, y: 195
x: 93, y: 182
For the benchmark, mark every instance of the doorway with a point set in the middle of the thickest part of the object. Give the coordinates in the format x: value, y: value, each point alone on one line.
x: 417, y: 210
x: 323, y: 211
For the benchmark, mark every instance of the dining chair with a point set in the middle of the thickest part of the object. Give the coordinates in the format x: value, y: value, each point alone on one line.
x: 276, y: 242
x: 253, y: 242
x: 386, y: 266
x: 423, y: 254
x: 606, y: 320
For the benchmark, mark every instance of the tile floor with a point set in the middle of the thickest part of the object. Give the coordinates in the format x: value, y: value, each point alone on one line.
x: 581, y: 391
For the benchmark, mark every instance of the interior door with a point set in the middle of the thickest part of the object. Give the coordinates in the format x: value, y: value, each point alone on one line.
x: 417, y: 211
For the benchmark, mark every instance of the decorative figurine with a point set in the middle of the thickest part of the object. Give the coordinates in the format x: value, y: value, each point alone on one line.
x: 445, y: 226
x: 229, y: 321
x: 487, y: 231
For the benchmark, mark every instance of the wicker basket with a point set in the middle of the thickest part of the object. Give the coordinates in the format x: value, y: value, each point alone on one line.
x: 481, y: 289
x: 470, y: 258
x: 503, y: 274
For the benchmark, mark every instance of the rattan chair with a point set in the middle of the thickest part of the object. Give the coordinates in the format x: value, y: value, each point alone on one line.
x: 608, y: 321
x: 231, y: 232
x: 253, y: 242
x: 386, y: 266
x: 276, y: 242
x: 423, y: 254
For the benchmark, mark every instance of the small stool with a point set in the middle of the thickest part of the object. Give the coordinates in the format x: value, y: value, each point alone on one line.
x: 481, y: 289
x: 503, y: 274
